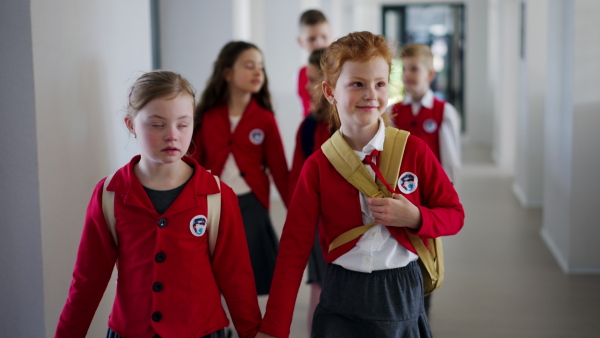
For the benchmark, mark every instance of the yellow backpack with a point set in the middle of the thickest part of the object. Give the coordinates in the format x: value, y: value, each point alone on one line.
x: 349, y: 165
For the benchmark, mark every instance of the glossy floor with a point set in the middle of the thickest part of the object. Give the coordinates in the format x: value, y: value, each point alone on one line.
x: 501, y: 280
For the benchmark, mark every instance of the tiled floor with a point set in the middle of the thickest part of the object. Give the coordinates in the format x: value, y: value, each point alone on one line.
x: 501, y: 280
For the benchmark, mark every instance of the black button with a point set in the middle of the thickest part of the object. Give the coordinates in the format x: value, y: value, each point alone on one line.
x: 156, y: 316
x: 160, y: 257
x: 414, y: 124
x: 157, y: 287
x: 162, y: 222
x: 156, y: 336
x: 230, y: 143
x: 242, y: 174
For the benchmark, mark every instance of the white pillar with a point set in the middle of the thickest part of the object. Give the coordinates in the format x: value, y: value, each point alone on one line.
x: 572, y: 152
x: 21, y: 280
x: 529, y: 169
x: 505, y: 90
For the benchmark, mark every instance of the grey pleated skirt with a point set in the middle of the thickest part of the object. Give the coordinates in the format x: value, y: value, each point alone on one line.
x: 218, y: 334
x: 386, y: 303
x: 262, y: 241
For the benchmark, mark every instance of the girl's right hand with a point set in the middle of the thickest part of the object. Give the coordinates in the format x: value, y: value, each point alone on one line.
x: 263, y: 335
x: 396, y: 212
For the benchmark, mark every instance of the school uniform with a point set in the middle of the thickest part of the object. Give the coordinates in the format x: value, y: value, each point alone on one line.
x: 241, y: 155
x: 303, y: 94
x: 437, y: 123
x: 324, y: 197
x: 168, y: 284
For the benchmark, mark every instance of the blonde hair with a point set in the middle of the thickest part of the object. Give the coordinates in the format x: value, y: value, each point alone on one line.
x: 154, y: 85
x: 420, y: 51
x: 357, y: 47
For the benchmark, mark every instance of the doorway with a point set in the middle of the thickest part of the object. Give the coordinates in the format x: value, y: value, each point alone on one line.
x: 441, y: 27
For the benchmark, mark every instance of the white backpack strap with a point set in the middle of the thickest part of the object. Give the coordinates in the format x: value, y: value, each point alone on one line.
x: 214, y: 216
x: 108, y: 208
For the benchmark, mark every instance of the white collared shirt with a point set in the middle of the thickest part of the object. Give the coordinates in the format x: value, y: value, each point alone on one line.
x: 449, y: 133
x: 377, y: 249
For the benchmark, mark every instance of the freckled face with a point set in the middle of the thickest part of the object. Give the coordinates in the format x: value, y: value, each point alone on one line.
x: 164, y: 128
x: 361, y: 92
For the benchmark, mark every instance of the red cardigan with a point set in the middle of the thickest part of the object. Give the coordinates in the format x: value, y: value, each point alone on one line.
x: 323, y: 194
x: 255, y: 143
x: 303, y: 94
x: 426, y: 125
x: 189, y: 301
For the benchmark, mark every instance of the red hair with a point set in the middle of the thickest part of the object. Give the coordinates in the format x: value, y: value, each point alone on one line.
x: 357, y: 47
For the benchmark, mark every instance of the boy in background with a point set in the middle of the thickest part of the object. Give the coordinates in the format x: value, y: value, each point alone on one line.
x: 315, y: 33
x: 424, y: 115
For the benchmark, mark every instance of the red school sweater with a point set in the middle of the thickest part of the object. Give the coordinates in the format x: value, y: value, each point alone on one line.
x: 425, y: 125
x: 167, y: 283
x: 303, y: 94
x: 255, y: 143
x: 322, y: 194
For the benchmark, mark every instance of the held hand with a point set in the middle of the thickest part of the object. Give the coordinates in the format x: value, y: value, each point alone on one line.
x: 396, y: 212
x: 263, y: 335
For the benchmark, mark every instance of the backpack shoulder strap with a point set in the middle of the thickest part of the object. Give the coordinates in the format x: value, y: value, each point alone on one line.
x: 108, y: 208
x: 214, y: 217
x: 391, y: 158
x: 347, y: 163
x: 214, y: 213
x: 432, y: 258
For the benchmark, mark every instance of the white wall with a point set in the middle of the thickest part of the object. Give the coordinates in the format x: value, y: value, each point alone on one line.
x: 192, y: 34
x: 85, y: 57
x: 571, y: 184
x: 558, y: 131
x: 22, y: 295
x: 585, y: 232
x: 529, y: 168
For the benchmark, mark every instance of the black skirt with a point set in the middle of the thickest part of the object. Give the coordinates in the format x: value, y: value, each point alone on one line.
x: 262, y: 241
x: 386, y: 303
x: 316, y: 263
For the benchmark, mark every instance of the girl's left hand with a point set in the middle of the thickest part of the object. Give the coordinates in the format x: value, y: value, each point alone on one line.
x: 396, y: 212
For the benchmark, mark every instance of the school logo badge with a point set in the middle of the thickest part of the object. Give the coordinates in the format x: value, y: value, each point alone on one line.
x: 198, y: 225
x: 408, y: 182
x: 430, y: 126
x: 257, y: 136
